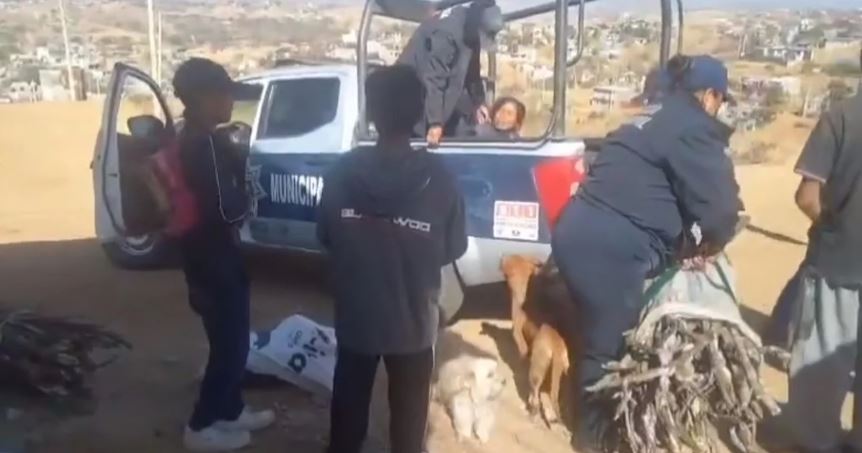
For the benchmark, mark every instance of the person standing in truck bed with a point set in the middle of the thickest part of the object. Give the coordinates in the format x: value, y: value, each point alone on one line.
x: 445, y: 52
x: 390, y: 217
x: 652, y: 181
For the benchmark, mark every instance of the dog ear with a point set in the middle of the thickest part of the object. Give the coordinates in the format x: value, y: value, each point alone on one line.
x: 536, y: 263
x: 505, y: 263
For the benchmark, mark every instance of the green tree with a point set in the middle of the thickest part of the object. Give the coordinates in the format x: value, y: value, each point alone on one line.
x: 775, y: 96
x: 839, y: 90
x: 28, y: 74
x: 843, y: 69
x: 6, y: 52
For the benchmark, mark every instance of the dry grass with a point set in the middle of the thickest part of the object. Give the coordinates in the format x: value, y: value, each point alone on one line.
x: 778, y: 143
x: 46, y: 150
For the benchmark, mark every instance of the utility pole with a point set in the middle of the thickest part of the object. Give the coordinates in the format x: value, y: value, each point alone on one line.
x: 68, y: 51
x: 159, y: 53
x: 152, y: 34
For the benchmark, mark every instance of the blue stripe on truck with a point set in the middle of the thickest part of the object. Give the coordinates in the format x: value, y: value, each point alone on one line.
x: 292, y: 187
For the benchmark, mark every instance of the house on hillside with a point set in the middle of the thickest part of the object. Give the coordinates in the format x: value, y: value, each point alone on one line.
x: 23, y: 92
x: 610, y: 96
x: 788, y: 55
x: 52, y: 86
x: 839, y: 44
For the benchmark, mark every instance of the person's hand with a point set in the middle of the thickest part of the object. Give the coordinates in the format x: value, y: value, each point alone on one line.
x: 706, y: 254
x: 435, y: 134
x: 483, y: 115
x: 698, y: 263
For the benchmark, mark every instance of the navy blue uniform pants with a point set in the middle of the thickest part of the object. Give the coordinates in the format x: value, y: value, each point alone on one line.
x: 605, y: 261
x: 219, y: 293
x: 409, y: 395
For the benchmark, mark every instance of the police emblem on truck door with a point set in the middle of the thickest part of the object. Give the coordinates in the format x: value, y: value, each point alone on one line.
x: 255, y: 189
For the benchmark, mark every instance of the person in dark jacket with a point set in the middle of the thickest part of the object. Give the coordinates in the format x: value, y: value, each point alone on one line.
x: 445, y: 52
x: 653, y: 180
x: 390, y: 217
x: 212, y: 263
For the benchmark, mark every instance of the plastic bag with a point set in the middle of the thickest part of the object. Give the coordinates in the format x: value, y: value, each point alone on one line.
x: 696, y: 294
x: 298, y: 351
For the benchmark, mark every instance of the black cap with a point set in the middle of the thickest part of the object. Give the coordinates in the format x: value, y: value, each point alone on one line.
x: 490, y: 24
x: 198, y: 76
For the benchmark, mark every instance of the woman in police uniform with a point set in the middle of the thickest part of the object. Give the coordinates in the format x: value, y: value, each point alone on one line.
x: 652, y: 180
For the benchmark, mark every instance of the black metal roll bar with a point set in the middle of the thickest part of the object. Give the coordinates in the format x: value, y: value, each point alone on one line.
x: 680, y: 15
x: 582, y: 19
x: 422, y: 9
x: 666, y: 30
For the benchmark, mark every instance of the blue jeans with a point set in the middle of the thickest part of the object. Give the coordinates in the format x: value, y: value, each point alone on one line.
x: 219, y: 293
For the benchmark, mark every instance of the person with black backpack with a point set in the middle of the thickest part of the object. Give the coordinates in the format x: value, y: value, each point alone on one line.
x: 212, y: 262
x: 390, y: 217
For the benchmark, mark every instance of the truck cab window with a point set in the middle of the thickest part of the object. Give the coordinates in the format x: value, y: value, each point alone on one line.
x: 299, y: 106
x: 245, y: 106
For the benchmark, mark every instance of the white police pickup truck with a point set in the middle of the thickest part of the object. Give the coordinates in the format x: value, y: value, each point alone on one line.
x: 303, y: 119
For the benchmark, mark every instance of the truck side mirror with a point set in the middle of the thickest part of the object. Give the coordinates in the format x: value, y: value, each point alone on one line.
x: 146, y: 126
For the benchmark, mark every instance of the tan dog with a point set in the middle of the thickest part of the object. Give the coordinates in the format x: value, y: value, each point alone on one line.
x: 535, y: 338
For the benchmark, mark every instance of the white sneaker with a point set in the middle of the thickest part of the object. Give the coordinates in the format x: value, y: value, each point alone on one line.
x: 211, y: 439
x: 248, y: 420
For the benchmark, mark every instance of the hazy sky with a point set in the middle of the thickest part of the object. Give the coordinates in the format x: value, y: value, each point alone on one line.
x: 712, y: 4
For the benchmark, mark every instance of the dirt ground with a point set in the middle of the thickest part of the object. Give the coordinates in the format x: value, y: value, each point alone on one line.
x: 50, y: 262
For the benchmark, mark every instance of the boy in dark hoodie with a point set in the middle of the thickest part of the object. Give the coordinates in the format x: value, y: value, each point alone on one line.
x: 391, y: 217
x: 212, y: 261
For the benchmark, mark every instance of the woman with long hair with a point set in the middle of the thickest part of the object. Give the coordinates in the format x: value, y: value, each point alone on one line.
x: 507, y: 118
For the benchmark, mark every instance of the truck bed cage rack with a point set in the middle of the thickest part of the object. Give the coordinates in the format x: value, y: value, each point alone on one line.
x: 420, y: 10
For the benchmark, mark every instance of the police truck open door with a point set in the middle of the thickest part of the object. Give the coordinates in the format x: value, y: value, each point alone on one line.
x: 135, y: 120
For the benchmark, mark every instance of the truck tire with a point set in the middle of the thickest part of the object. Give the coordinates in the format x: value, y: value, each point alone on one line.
x: 146, y: 252
x: 451, y: 296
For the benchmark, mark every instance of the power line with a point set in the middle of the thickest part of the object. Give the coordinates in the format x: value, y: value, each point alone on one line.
x: 68, y: 50
x: 152, y: 32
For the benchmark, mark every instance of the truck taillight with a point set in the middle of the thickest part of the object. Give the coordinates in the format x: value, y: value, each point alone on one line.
x: 556, y: 181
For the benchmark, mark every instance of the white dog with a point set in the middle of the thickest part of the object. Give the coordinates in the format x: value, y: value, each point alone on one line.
x: 469, y: 388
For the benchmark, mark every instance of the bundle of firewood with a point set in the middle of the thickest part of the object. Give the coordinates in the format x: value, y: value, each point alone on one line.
x: 51, y: 356
x: 681, y: 378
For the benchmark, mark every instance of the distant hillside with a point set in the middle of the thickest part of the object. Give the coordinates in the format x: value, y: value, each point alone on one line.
x: 714, y: 4
x: 689, y: 4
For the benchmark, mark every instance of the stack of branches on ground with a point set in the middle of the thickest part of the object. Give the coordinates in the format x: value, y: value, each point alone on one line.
x: 51, y: 356
x: 679, y: 382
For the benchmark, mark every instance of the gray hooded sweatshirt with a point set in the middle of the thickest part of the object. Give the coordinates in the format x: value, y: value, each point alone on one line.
x: 390, y: 221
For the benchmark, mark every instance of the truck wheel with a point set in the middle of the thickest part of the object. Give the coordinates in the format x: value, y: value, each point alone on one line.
x: 140, y: 252
x: 451, y: 296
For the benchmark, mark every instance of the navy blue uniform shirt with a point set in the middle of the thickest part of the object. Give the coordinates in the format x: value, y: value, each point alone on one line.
x: 667, y: 170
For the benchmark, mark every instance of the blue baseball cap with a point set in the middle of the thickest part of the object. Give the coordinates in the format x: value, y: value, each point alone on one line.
x: 705, y: 72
